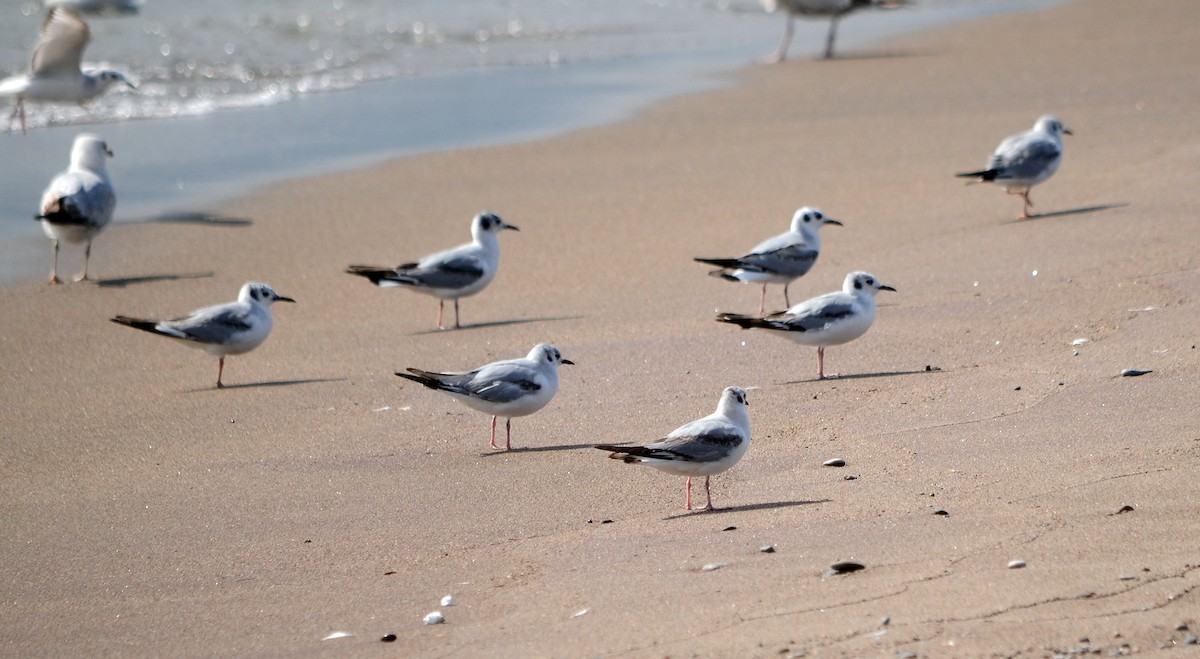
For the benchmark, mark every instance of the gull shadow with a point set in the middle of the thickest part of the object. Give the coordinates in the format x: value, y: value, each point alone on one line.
x: 205, y: 219
x: 748, y: 507
x: 537, y: 449
x: 122, y: 282
x: 1063, y: 213
x: 868, y: 55
x: 861, y: 376
x: 495, y: 323
x: 269, y: 383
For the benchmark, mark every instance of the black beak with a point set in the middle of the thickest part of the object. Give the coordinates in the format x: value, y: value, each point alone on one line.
x: 567, y: 361
x: 1067, y: 131
x: 830, y: 220
x: 280, y: 298
x: 510, y: 226
x: 887, y: 288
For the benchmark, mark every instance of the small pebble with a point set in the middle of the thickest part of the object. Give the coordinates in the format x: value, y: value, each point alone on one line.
x: 850, y: 477
x: 709, y: 567
x: 1191, y: 640
x: 581, y: 612
x: 770, y: 549
x: 844, y: 567
x: 834, y: 462
x: 1124, y: 509
x: 388, y: 638
x: 906, y: 655
x: 435, y: 618
x: 448, y: 600
x: 942, y: 511
x: 1018, y: 388
x: 1079, y: 342
x: 1016, y: 564
x: 1181, y: 627
x: 337, y: 635
x: 1134, y: 372
x: 729, y: 528
x: 885, y: 621
x: 1127, y: 577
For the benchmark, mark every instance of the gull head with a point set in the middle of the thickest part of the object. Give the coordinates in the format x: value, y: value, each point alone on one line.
x: 1051, y: 125
x: 88, y: 152
x: 105, y: 78
x: 546, y: 354
x: 260, y: 293
x: 488, y: 222
x: 734, y: 397
x: 812, y: 218
x: 864, y: 283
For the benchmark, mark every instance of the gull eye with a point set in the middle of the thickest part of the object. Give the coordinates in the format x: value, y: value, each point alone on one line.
x: 870, y: 282
x: 817, y: 216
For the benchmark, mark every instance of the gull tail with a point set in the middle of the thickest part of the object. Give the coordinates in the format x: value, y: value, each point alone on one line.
x: 137, y: 323
x: 428, y: 379
x: 375, y: 273
x: 723, y: 263
x: 749, y: 322
x: 628, y: 454
x: 982, y: 175
x: 62, y: 212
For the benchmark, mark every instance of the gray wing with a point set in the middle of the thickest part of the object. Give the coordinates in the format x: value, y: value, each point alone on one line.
x: 817, y: 314
x: 451, y: 272
x: 212, y: 325
x: 78, y: 198
x: 505, y: 382
x: 708, y: 446
x: 793, y: 260
x: 59, y: 50
x: 1025, y: 158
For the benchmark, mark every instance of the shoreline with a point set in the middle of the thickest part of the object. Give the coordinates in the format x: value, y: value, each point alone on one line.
x: 322, y: 494
x: 237, y: 152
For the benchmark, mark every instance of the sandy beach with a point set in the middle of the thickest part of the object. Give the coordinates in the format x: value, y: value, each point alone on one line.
x: 148, y: 514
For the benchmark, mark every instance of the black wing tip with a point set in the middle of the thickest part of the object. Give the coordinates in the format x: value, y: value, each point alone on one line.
x: 983, y: 174
x: 421, y: 377
x: 743, y: 321
x: 136, y: 323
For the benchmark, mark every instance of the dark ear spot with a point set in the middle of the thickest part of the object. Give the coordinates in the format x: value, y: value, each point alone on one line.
x: 817, y: 216
x: 857, y: 285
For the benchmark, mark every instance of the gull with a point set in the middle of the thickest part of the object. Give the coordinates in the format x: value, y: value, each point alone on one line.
x: 1025, y: 159
x: 452, y: 274
x: 97, y: 6
x: 834, y: 9
x: 233, y: 328
x: 79, y: 202
x: 700, y: 448
x: 54, y: 70
x: 778, y: 260
x: 509, y: 388
x: 828, y: 320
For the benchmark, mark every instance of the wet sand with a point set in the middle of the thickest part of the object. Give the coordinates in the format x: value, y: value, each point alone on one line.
x: 149, y: 514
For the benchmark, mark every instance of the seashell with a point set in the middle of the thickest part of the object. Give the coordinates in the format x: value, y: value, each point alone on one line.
x: 1133, y: 372
x: 435, y: 618
x: 337, y: 635
x: 448, y: 600
x: 834, y: 462
x: 1016, y: 564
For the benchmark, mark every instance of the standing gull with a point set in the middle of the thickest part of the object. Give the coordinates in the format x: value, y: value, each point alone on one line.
x: 778, y: 260
x: 833, y: 9
x: 509, y: 388
x: 79, y: 202
x: 54, y: 70
x: 701, y: 448
x: 1025, y: 159
x: 232, y: 328
x: 452, y: 274
x: 828, y: 320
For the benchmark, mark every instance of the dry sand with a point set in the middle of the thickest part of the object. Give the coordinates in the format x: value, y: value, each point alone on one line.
x: 145, y: 513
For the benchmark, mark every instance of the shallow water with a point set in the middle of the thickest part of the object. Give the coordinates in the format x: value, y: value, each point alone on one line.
x: 253, y: 91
